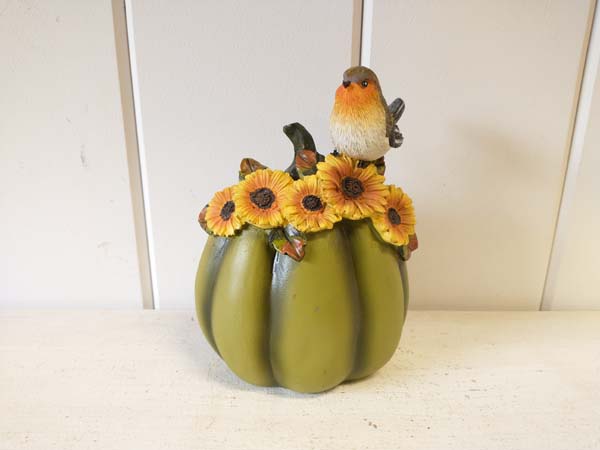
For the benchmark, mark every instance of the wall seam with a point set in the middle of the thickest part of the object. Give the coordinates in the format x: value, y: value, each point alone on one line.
x: 366, y: 33
x: 585, y: 93
x: 135, y: 155
x: 357, y: 29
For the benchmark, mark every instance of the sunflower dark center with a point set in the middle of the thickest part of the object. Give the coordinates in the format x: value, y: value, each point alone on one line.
x: 394, y: 216
x: 263, y: 198
x: 312, y: 203
x: 227, y: 210
x: 352, y: 187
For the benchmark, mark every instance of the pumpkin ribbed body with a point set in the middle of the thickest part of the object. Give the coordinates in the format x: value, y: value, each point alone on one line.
x: 305, y: 325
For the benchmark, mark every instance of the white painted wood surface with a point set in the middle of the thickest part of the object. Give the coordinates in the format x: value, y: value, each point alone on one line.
x: 66, y: 232
x: 460, y: 380
x: 577, y: 280
x: 217, y: 82
x: 490, y: 89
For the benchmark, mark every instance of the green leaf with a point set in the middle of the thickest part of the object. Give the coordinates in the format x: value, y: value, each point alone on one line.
x: 404, y: 253
x: 294, y: 234
x: 291, y: 245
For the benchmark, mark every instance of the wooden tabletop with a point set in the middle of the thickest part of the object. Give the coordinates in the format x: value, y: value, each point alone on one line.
x: 148, y: 380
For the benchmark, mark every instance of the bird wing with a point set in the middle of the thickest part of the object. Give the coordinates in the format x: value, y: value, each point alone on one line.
x: 396, y: 137
x: 393, y: 113
x: 396, y: 109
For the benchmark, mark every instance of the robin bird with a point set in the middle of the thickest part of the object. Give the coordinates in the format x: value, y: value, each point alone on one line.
x: 362, y: 125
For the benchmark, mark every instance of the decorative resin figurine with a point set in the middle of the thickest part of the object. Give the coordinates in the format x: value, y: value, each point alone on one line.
x: 362, y: 124
x: 302, y: 282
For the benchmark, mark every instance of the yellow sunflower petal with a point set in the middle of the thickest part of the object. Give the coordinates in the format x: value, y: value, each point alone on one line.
x: 397, y: 222
x: 305, y: 208
x: 258, y: 197
x: 354, y: 192
x: 222, y: 215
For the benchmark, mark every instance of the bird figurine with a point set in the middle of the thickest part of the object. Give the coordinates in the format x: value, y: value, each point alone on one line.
x: 362, y: 125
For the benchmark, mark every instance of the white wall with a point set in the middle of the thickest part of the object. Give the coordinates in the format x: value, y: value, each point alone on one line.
x: 66, y: 229
x: 491, y: 90
x: 217, y: 81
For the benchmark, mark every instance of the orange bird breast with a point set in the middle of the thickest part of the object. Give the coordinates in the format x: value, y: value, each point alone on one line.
x: 358, y: 122
x: 356, y: 102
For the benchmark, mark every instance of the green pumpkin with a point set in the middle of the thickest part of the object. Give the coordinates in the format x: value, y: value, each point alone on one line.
x: 305, y: 325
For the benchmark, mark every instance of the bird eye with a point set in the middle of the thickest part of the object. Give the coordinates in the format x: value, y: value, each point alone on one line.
x: 364, y: 83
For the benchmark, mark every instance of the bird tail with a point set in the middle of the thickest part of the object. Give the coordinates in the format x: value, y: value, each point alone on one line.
x: 396, y: 109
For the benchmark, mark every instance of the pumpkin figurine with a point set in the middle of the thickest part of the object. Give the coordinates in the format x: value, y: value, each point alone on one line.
x: 302, y: 282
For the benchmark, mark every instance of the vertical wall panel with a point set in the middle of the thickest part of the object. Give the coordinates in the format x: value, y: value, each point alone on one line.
x: 66, y: 229
x: 490, y: 89
x: 217, y: 82
x: 577, y: 283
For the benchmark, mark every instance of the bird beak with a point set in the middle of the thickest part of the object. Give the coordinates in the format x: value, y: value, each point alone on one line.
x: 346, y: 83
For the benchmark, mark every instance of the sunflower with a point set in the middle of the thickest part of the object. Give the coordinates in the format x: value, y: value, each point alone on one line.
x: 305, y: 208
x: 221, y: 216
x: 258, y: 197
x: 397, y: 223
x: 354, y: 192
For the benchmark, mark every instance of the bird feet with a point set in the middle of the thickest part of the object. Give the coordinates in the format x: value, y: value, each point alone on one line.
x: 378, y: 163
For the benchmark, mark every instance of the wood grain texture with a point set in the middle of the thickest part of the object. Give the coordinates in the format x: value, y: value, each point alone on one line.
x: 66, y: 229
x: 218, y: 80
x: 490, y: 89
x: 148, y: 379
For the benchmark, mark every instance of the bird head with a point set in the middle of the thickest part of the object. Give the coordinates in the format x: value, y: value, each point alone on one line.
x: 359, y: 87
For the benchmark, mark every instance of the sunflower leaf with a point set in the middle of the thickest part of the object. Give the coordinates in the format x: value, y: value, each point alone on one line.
x: 292, y: 246
x: 202, y: 219
x: 293, y: 234
x: 249, y: 165
x: 406, y: 251
x: 413, y: 242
